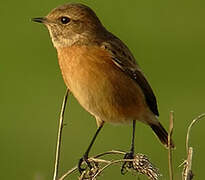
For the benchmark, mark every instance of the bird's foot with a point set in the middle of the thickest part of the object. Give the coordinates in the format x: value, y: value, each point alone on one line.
x: 80, y: 164
x: 92, y: 166
x: 128, y: 164
x: 87, y: 168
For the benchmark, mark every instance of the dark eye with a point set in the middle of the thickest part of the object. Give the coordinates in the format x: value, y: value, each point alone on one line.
x: 65, y: 19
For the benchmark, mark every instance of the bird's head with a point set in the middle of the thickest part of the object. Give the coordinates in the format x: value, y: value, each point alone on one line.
x: 72, y: 23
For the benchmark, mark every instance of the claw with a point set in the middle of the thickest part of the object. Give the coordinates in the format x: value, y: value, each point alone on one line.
x: 126, y: 165
x: 80, y: 169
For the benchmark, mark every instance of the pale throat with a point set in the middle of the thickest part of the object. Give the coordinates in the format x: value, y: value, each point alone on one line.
x: 61, y: 41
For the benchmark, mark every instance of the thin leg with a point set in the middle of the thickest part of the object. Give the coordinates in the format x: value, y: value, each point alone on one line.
x: 129, y: 155
x: 85, y: 156
x: 133, y: 137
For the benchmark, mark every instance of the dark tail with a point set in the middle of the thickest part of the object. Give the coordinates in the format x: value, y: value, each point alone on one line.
x: 161, y: 134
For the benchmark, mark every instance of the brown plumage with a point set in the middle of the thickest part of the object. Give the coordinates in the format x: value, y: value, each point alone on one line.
x: 100, y: 71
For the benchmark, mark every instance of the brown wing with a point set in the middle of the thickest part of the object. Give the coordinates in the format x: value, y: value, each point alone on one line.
x: 123, y: 58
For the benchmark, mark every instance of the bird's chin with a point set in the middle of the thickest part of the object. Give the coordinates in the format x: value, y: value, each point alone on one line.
x: 54, y: 37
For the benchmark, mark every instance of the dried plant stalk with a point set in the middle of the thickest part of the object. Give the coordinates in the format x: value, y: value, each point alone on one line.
x: 60, y: 130
x: 140, y: 164
x: 187, y: 173
x: 189, y: 129
x: 171, y: 126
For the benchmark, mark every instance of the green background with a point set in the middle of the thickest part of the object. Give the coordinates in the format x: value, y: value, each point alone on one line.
x: 166, y: 37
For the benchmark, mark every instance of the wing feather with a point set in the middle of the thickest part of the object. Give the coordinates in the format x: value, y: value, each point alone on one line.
x: 123, y: 58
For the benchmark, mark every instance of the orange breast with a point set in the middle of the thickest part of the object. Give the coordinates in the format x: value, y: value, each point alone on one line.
x: 99, y: 85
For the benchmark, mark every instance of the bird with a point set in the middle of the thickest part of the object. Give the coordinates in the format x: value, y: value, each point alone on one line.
x: 102, y: 73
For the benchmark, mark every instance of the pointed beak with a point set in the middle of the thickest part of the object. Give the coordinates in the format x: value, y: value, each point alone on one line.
x: 39, y: 19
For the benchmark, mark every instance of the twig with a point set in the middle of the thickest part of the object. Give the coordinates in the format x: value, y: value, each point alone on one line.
x: 97, y: 156
x: 68, y: 172
x: 141, y: 164
x: 58, y: 144
x: 110, y: 152
x: 188, y: 175
x: 189, y: 129
x: 187, y: 172
x: 171, y: 126
x: 109, y: 164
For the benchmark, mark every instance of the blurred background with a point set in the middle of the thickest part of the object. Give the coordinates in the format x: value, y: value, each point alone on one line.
x: 166, y: 37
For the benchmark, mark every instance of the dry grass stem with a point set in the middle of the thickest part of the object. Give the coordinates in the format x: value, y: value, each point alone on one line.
x: 68, y: 173
x: 60, y: 130
x: 187, y: 173
x: 189, y: 129
x: 140, y: 165
x: 110, y: 152
x: 171, y: 126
